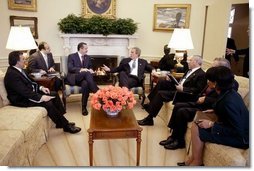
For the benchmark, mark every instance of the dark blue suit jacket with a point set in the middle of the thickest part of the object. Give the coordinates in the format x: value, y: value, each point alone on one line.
x: 74, y: 66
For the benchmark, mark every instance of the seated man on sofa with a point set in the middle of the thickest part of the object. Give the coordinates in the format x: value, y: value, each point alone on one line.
x: 184, y: 112
x: 190, y: 85
x: 232, y: 128
x: 23, y: 92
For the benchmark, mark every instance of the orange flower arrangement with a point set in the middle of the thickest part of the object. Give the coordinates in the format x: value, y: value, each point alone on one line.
x: 113, y: 99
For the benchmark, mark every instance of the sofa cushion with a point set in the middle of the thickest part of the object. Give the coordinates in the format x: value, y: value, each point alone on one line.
x: 3, y: 94
x: 13, y: 118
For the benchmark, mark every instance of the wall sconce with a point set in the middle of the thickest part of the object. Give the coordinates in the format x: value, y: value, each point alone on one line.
x: 181, y: 41
x: 21, y: 39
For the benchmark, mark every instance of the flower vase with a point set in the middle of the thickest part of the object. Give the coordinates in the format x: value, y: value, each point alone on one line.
x: 112, y: 114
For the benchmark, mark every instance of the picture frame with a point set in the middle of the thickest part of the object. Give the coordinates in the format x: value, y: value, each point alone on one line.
x: 23, y: 5
x: 106, y: 8
x: 31, y: 22
x: 170, y: 16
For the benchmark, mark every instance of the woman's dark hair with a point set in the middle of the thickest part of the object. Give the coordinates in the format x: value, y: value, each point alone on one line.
x: 224, y: 78
x: 211, y: 74
x: 14, y: 57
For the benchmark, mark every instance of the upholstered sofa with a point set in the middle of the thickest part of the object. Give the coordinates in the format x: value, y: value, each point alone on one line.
x: 22, y: 131
x: 215, y: 154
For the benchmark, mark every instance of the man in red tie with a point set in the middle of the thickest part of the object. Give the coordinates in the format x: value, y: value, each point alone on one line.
x: 80, y: 73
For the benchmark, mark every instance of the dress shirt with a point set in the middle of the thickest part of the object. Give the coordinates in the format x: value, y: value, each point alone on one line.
x: 134, y: 67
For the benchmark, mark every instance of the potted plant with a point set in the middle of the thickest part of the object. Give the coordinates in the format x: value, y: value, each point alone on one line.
x: 97, y: 25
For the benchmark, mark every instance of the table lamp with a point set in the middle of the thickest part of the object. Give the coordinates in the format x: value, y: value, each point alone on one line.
x: 180, y: 41
x: 21, y: 39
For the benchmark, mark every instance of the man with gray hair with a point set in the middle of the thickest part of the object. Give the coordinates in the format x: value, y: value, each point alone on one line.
x: 184, y: 112
x: 189, y: 87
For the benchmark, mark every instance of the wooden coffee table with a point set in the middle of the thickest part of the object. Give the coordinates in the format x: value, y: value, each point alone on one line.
x: 103, y: 126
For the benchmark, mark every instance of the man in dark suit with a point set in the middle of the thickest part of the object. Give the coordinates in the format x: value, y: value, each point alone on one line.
x: 131, y: 70
x: 184, y: 112
x: 188, y: 89
x: 42, y: 61
x: 23, y: 92
x: 80, y: 73
x: 231, y: 45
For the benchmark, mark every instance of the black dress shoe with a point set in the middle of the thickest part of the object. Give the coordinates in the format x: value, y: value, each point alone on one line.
x: 181, y: 164
x: 60, y: 126
x: 146, y: 121
x: 71, y: 129
x: 167, y: 141
x: 175, y: 145
x: 184, y: 164
x: 84, y: 112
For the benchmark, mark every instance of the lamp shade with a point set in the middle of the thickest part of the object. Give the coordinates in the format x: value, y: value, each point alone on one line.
x: 20, y: 38
x: 181, y: 39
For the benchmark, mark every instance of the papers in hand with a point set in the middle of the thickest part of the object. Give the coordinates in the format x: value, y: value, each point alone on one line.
x: 172, y: 78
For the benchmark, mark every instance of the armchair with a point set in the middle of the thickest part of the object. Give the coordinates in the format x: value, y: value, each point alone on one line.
x: 140, y: 90
x: 67, y: 90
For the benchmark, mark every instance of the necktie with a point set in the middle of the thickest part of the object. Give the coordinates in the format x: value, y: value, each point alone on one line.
x: 83, y: 61
x: 34, y: 85
x: 133, y: 64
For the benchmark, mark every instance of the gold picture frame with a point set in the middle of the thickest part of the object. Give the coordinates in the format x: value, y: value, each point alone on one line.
x: 106, y: 8
x: 23, y: 5
x: 167, y: 17
x: 31, y: 22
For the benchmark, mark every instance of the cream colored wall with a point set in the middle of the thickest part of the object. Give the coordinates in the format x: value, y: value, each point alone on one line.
x: 49, y: 12
x: 217, y: 28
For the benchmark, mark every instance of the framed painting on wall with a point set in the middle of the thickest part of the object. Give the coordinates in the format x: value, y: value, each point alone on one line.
x: 105, y: 8
x: 168, y: 17
x: 23, y: 5
x: 31, y: 22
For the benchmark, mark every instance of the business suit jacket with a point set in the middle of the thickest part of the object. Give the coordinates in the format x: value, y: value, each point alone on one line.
x: 19, y: 89
x: 192, y: 86
x: 232, y: 127
x: 142, y: 67
x: 74, y: 65
x: 37, y: 62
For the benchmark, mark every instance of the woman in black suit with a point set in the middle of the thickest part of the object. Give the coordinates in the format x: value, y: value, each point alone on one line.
x: 232, y: 127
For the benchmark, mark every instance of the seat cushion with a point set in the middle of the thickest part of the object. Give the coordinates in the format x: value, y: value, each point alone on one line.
x: 72, y: 90
x: 137, y: 90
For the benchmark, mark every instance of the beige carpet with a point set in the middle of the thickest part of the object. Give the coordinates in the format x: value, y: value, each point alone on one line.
x: 64, y: 149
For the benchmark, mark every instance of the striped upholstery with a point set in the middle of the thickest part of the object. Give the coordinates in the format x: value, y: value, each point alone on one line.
x: 72, y: 90
x: 138, y: 90
x: 67, y: 89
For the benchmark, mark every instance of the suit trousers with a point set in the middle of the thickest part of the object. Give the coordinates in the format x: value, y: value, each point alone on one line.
x: 127, y: 80
x: 182, y: 114
x: 161, y: 85
x: 86, y: 81
x: 54, y: 108
x: 157, y: 102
